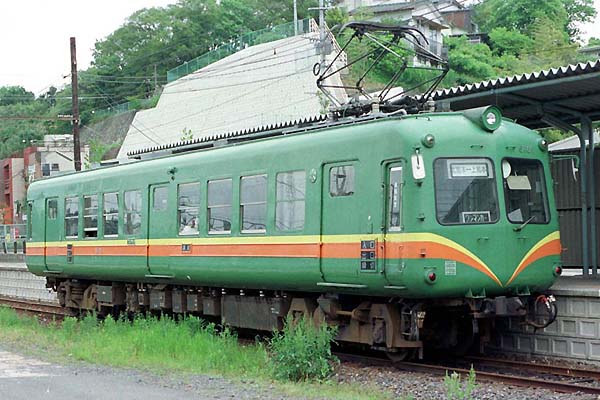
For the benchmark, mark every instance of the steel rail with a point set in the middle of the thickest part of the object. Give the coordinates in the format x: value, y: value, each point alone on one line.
x: 557, y: 386
x: 539, y: 368
x: 34, y: 306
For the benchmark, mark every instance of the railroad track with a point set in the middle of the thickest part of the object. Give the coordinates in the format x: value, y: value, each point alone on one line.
x: 35, y: 307
x: 510, y: 372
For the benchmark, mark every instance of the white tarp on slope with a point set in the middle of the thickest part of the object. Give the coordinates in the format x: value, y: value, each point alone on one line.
x: 260, y: 85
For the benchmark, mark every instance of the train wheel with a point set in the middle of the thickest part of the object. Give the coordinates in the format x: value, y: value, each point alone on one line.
x: 402, y: 355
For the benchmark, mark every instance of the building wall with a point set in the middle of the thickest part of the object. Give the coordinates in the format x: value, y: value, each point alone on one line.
x: 567, y: 191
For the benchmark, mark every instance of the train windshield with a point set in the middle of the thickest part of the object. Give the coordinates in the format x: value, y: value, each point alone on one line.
x: 525, y: 191
x: 465, y: 191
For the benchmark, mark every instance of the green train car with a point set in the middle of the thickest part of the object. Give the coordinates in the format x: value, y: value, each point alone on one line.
x: 399, y: 230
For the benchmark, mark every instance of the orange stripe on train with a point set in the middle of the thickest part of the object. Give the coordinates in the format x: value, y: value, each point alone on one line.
x: 552, y: 248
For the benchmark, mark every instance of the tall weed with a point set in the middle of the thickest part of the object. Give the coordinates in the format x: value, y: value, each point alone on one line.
x: 302, y: 351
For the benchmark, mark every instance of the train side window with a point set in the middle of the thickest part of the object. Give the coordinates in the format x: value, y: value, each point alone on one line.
x: 395, y: 199
x: 133, y: 212
x: 160, y: 198
x: 189, y: 203
x: 90, y: 216
x: 111, y: 214
x: 253, y: 203
x: 291, y: 192
x: 71, y: 217
x: 219, y: 206
x: 52, y: 209
x: 341, y: 180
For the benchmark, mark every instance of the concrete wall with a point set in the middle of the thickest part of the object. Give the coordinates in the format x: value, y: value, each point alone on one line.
x: 574, y: 335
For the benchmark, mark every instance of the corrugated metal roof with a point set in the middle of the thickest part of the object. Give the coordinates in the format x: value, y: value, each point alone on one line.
x: 574, y: 88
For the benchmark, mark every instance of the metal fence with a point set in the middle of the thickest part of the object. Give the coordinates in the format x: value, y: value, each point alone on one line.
x: 246, y: 40
x: 13, y: 239
x: 138, y: 104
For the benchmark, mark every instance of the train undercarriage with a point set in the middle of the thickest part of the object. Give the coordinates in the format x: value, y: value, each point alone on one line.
x: 402, y: 328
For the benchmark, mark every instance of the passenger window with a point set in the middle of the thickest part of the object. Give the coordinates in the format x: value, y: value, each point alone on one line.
x: 52, y: 209
x: 90, y: 216
x: 219, y: 206
x: 160, y: 198
x: 289, y: 212
x: 133, y: 212
x: 189, y: 202
x: 253, y: 203
x: 395, y: 199
x: 341, y: 181
x: 71, y: 217
x: 111, y: 214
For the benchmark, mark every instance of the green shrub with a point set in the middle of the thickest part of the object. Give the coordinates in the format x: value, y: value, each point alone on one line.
x: 454, y: 388
x: 302, y: 351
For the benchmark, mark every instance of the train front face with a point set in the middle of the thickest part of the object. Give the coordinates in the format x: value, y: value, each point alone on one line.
x: 494, y: 228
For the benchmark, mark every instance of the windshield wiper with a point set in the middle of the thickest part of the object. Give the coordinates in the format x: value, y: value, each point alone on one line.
x: 520, y: 227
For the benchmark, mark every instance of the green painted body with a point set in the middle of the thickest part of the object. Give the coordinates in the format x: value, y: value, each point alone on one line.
x: 372, y: 146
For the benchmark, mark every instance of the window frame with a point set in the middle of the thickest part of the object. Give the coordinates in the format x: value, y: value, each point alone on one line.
x: 86, y: 216
x: 126, y: 212
x: 76, y: 217
x: 209, y: 207
x: 494, y: 186
x: 166, y: 205
x: 55, y: 216
x: 265, y: 203
x: 105, y: 214
x: 343, y: 165
x: 388, y: 217
x: 303, y: 200
x: 197, y: 207
x: 545, y: 196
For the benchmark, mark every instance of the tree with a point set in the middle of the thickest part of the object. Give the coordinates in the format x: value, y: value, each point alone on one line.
x: 470, y: 61
x: 578, y: 11
x: 521, y: 15
x: 15, y: 95
x: 552, y: 48
x: 509, y: 42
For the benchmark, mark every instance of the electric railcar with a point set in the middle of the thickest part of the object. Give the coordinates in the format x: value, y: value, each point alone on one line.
x: 399, y: 230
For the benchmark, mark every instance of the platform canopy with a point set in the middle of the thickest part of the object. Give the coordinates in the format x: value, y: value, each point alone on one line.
x: 567, y: 98
x: 564, y: 92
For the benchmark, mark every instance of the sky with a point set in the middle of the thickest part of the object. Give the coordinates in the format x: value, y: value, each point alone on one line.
x: 34, y: 36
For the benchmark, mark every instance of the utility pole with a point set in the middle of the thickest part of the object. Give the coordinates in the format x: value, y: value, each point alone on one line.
x: 322, y: 37
x: 295, y: 18
x: 75, y: 99
x: 155, y: 81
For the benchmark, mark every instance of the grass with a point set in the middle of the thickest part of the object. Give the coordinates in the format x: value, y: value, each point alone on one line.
x: 188, y: 347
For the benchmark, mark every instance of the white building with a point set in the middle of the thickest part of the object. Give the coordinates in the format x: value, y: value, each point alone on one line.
x: 261, y: 85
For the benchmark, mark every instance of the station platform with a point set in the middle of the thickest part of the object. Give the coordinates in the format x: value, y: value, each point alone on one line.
x: 575, y: 334
x: 17, y: 282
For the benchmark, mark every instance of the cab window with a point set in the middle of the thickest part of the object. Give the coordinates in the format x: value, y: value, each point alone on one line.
x: 465, y: 191
x: 525, y: 191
